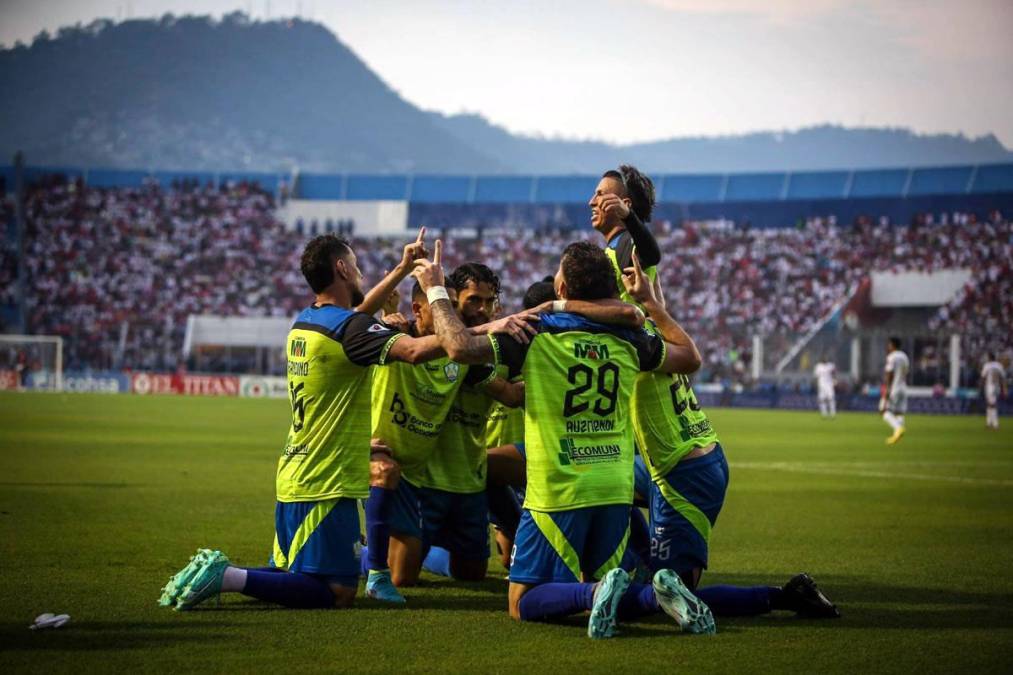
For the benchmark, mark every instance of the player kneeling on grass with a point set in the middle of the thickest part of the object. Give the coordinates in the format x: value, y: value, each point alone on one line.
x: 687, y: 478
x: 325, y: 465
x: 412, y: 407
x: 578, y: 376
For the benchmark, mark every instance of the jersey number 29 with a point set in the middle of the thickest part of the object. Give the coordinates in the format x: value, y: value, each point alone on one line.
x: 583, y: 377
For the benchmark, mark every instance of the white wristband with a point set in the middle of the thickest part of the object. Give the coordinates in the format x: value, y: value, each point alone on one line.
x: 559, y: 306
x: 437, y: 293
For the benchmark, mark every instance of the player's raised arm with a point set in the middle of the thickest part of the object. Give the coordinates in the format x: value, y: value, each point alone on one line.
x: 379, y: 294
x: 681, y: 353
x: 644, y: 242
x: 457, y: 340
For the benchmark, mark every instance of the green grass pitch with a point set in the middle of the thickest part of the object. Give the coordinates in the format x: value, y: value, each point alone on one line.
x: 102, y: 498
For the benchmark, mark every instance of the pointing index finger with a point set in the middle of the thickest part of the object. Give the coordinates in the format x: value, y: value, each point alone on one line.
x: 422, y: 235
x: 438, y: 252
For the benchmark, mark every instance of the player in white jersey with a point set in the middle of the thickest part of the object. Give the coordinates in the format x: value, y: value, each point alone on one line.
x: 826, y: 380
x: 893, y: 403
x: 993, y: 384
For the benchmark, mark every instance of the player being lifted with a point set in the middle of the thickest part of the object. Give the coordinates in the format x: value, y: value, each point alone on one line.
x: 620, y: 208
x: 578, y: 376
x: 993, y: 387
x: 684, y: 460
x: 825, y: 374
x: 324, y: 466
x: 893, y: 401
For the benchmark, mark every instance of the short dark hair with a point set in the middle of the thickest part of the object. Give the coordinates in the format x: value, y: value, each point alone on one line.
x: 317, y: 262
x: 894, y: 341
x: 587, y: 272
x: 537, y: 293
x: 639, y: 188
x: 475, y: 272
x: 990, y: 356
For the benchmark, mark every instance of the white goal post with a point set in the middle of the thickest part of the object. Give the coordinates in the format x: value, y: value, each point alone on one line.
x: 37, y: 356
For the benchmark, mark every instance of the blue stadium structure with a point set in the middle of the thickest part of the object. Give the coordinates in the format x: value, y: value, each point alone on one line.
x: 760, y: 199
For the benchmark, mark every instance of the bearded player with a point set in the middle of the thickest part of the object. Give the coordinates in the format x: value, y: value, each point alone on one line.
x: 324, y: 468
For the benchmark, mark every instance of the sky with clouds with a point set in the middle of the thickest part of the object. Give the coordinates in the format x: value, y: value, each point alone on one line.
x: 633, y: 70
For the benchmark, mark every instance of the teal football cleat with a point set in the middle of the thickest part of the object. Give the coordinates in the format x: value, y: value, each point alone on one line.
x: 206, y: 583
x: 172, y: 590
x: 689, y: 611
x: 602, y: 622
x: 380, y: 587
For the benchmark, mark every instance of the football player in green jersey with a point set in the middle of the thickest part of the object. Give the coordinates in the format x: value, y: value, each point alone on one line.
x: 325, y: 464
x: 410, y: 407
x: 621, y: 208
x: 452, y: 486
x: 578, y: 376
x: 689, y: 478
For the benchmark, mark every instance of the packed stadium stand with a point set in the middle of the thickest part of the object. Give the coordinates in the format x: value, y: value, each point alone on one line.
x: 117, y: 261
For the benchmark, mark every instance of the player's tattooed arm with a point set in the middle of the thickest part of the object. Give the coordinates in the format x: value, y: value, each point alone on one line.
x: 681, y: 354
x: 379, y: 294
x: 458, y: 341
x: 510, y: 394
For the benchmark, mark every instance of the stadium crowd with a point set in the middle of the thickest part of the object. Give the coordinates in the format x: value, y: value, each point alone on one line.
x: 118, y: 271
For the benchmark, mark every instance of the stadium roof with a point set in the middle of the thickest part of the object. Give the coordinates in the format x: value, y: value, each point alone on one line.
x: 671, y: 188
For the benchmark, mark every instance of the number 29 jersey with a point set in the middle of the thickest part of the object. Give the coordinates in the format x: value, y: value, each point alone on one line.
x: 579, y: 377
x: 329, y: 351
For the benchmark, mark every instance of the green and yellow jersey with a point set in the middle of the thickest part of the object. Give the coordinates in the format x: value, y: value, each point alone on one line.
x: 459, y: 462
x: 667, y: 420
x: 330, y: 350
x: 505, y: 425
x: 620, y: 253
x: 579, y: 376
x: 411, y: 405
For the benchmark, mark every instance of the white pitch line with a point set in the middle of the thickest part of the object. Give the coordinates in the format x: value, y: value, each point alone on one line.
x: 799, y: 467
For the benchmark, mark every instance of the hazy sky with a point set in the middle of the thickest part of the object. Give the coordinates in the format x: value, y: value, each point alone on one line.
x: 630, y: 70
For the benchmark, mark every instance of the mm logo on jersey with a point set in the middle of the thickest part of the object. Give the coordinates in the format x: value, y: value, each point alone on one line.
x: 297, y: 348
x: 571, y: 453
x: 451, y: 370
x: 590, y: 350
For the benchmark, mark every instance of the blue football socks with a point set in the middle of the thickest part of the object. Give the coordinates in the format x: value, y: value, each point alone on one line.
x: 738, y: 600
x: 289, y: 589
x: 555, y: 600
x: 377, y: 509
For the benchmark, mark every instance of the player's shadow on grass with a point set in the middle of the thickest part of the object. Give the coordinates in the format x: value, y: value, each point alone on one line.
x: 864, y: 603
x: 491, y: 585
x: 99, y: 636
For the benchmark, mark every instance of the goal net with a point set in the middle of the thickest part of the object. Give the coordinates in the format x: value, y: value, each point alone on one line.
x: 31, y: 362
